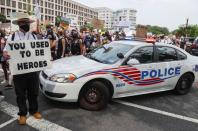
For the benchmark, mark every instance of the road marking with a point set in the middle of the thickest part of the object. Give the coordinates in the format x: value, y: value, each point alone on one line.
x: 158, y: 111
x: 41, y: 125
x: 7, y: 122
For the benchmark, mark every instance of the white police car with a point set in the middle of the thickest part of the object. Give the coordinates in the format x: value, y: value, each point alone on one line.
x: 119, y: 69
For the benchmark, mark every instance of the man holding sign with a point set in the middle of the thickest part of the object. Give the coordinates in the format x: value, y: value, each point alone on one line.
x: 27, y: 56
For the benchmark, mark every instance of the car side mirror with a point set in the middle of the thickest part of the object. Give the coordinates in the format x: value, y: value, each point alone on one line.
x: 120, y: 55
x: 133, y: 62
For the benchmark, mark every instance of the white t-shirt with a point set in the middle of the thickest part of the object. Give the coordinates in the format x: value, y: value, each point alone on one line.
x: 21, y: 36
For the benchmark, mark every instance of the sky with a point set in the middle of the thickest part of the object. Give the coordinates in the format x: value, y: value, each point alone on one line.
x: 166, y: 13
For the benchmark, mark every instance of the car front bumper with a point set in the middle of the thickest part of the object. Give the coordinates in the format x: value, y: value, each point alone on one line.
x: 65, y: 92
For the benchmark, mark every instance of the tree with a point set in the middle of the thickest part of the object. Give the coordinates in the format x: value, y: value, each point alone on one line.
x: 2, y: 18
x: 97, y: 24
x: 192, y: 31
x: 158, y: 30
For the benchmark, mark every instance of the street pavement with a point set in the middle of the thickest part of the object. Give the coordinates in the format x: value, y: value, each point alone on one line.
x: 152, y: 112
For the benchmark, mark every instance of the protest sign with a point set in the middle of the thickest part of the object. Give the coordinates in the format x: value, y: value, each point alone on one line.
x: 28, y: 56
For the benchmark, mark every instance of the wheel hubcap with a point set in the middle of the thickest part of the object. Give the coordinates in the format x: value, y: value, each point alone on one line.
x: 93, y: 95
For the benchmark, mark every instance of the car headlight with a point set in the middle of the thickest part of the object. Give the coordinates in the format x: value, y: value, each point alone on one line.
x: 63, y: 78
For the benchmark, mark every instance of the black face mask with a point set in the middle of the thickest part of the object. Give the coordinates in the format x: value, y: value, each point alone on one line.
x: 25, y: 27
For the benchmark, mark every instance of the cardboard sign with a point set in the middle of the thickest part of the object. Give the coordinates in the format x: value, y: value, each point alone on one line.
x: 28, y: 56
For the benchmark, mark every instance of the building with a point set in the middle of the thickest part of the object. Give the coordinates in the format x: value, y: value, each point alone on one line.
x: 119, y: 19
x: 106, y: 15
x: 124, y: 18
x: 50, y: 9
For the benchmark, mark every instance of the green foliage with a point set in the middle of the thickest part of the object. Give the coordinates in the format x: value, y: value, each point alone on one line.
x: 192, y: 31
x: 86, y: 27
x: 2, y: 18
x: 158, y: 30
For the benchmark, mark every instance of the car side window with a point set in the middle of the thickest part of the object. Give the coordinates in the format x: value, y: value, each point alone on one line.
x: 143, y: 55
x: 166, y: 54
x: 181, y: 56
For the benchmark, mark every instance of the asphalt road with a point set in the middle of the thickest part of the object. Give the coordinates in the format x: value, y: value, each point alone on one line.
x: 181, y: 114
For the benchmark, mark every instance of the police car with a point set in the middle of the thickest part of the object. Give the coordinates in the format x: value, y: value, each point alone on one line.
x: 119, y: 69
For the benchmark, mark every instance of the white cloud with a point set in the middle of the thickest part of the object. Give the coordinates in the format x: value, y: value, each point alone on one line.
x: 168, y: 13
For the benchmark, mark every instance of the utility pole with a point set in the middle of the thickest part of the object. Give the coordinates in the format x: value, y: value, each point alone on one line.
x: 186, y: 31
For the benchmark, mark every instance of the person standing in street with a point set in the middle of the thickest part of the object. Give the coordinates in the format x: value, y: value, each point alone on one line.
x: 26, y: 85
x: 51, y: 35
x: 60, y: 48
x: 4, y: 63
x: 76, y: 43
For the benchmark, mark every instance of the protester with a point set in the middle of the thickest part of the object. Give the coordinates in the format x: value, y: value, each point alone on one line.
x: 67, y: 43
x: 4, y: 62
x: 26, y: 85
x: 60, y: 50
x: 108, y: 36
x: 182, y: 42
x: 76, y: 43
x: 53, y: 39
x: 117, y: 36
x: 88, y: 39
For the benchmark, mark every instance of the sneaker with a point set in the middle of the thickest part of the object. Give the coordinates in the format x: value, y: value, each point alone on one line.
x: 37, y: 115
x: 4, y: 81
x: 8, y: 87
x: 22, y: 120
x: 1, y: 97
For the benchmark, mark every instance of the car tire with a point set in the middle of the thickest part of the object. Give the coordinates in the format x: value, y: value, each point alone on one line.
x: 184, y: 84
x: 94, y: 96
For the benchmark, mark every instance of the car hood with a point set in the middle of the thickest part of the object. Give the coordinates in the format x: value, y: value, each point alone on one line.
x: 77, y: 65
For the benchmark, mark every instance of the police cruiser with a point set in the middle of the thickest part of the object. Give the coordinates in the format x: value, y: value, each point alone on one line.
x: 119, y: 69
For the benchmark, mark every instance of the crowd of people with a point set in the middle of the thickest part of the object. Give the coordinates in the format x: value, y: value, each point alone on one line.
x: 66, y: 43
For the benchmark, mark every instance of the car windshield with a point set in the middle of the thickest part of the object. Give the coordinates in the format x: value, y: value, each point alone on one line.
x: 107, y: 54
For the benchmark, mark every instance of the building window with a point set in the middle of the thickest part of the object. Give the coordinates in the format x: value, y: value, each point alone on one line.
x: 41, y: 3
x: 2, y: 2
x: 14, y: 4
x: 8, y: 2
x: 24, y: 7
x: 41, y: 17
x: 3, y: 10
x: 20, y: 5
x: 8, y: 11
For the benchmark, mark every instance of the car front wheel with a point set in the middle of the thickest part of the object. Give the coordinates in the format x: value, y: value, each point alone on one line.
x: 184, y: 84
x: 94, y: 96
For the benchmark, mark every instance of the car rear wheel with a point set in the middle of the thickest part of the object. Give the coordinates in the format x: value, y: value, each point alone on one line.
x: 184, y: 84
x: 94, y: 96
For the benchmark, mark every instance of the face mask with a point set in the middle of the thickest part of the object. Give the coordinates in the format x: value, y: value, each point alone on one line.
x: 25, y: 27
